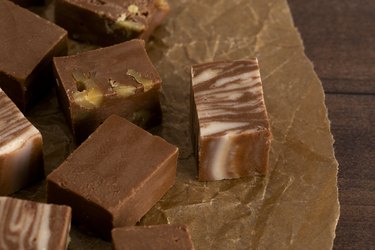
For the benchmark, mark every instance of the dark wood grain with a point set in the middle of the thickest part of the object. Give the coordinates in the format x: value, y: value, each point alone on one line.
x: 339, y: 38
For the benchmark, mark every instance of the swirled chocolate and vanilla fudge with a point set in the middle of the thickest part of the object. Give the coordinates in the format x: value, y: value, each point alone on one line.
x: 114, y: 177
x: 119, y: 79
x: 21, y: 156
x: 107, y: 22
x: 27, y: 45
x: 231, y: 130
x: 33, y: 225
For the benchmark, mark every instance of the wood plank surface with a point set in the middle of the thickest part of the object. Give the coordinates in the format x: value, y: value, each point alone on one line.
x: 339, y: 38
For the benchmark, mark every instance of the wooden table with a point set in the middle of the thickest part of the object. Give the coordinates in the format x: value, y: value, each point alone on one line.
x: 339, y: 38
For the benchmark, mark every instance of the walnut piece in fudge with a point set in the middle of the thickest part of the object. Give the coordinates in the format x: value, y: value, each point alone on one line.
x: 230, y: 124
x: 106, y: 22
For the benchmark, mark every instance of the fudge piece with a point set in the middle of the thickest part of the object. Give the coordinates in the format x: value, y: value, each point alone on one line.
x: 21, y: 155
x: 152, y: 237
x: 106, y: 22
x: 114, y: 177
x: 115, y: 80
x: 27, y: 45
x: 33, y: 225
x: 231, y: 130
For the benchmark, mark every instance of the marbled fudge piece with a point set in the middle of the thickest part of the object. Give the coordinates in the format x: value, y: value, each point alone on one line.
x: 114, y: 80
x: 33, y: 225
x: 114, y: 177
x: 230, y: 123
x: 27, y: 45
x: 107, y: 22
x: 21, y: 152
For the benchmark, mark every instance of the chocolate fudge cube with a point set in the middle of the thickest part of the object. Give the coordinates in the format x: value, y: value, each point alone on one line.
x: 114, y: 177
x: 33, y: 225
x: 106, y: 22
x: 114, y: 80
x: 21, y: 155
x: 27, y: 45
x: 230, y: 124
x: 152, y: 237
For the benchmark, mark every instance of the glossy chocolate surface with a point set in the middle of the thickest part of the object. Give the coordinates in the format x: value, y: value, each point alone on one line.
x: 156, y: 237
x: 231, y: 127
x: 114, y: 80
x: 107, y: 22
x: 27, y: 45
x: 114, y: 177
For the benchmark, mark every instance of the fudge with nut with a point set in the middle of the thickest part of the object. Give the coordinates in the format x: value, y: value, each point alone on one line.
x: 119, y: 79
x: 231, y: 130
x: 106, y: 22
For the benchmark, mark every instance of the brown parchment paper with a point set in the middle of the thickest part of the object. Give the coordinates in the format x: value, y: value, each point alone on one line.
x: 296, y: 205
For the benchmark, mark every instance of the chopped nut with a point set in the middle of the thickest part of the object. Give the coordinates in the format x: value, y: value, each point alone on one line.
x: 121, y: 18
x: 89, y: 99
x: 113, y: 83
x: 133, y: 9
x: 129, y: 25
x: 83, y: 81
x: 147, y: 83
x: 162, y: 5
x: 125, y: 91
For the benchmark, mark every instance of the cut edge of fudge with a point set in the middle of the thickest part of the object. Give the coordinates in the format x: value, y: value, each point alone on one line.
x: 21, y: 149
x: 40, y: 225
x: 123, y: 203
x: 231, y: 129
x: 164, y: 236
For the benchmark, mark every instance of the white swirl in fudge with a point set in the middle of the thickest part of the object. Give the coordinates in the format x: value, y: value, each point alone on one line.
x: 222, y: 93
x: 31, y: 225
x: 14, y: 132
x: 228, y: 101
x: 21, y: 160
